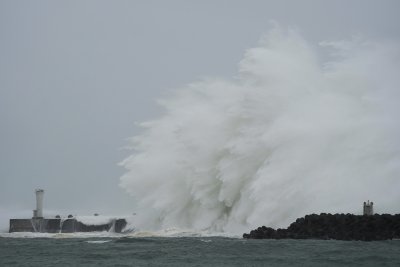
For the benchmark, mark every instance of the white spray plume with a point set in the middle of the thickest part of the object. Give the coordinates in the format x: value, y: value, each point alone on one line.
x: 289, y: 136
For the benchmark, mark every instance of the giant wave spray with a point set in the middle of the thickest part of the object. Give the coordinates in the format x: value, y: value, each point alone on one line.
x: 294, y: 133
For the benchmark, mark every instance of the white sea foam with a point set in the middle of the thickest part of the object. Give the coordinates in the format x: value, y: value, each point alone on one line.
x: 287, y: 137
x: 98, y: 241
x: 95, y: 220
x: 170, y: 232
x: 176, y: 232
x: 60, y: 235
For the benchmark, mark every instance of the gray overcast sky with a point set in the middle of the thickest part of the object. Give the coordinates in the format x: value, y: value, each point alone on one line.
x: 76, y: 75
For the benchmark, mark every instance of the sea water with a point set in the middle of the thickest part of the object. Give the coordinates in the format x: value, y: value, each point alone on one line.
x: 70, y: 250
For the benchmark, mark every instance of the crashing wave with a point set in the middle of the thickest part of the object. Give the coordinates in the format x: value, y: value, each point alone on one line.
x: 294, y: 133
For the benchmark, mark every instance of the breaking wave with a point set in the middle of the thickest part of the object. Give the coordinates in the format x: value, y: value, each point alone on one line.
x: 297, y: 131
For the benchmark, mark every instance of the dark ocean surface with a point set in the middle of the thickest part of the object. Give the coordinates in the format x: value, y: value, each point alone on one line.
x: 194, y: 251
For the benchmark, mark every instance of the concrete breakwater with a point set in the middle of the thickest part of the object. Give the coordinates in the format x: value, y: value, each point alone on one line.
x: 58, y: 225
x: 335, y: 226
x: 72, y: 224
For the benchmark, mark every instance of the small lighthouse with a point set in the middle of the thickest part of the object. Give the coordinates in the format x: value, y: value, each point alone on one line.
x: 368, y: 208
x: 38, y: 212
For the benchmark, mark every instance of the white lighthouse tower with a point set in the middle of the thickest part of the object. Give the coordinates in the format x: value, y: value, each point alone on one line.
x: 38, y: 212
x: 368, y: 208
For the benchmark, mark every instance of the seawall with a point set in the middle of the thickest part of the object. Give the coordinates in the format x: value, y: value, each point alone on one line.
x: 57, y: 225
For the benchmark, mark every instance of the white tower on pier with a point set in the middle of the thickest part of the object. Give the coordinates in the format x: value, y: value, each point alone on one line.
x: 368, y: 208
x: 38, y: 212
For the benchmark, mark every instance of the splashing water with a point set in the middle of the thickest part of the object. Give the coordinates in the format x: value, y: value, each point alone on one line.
x: 289, y: 136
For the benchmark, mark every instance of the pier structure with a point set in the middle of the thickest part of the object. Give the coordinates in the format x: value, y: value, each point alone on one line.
x: 38, y: 223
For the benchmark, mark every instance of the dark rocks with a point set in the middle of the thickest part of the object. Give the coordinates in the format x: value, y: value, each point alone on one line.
x: 335, y: 226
